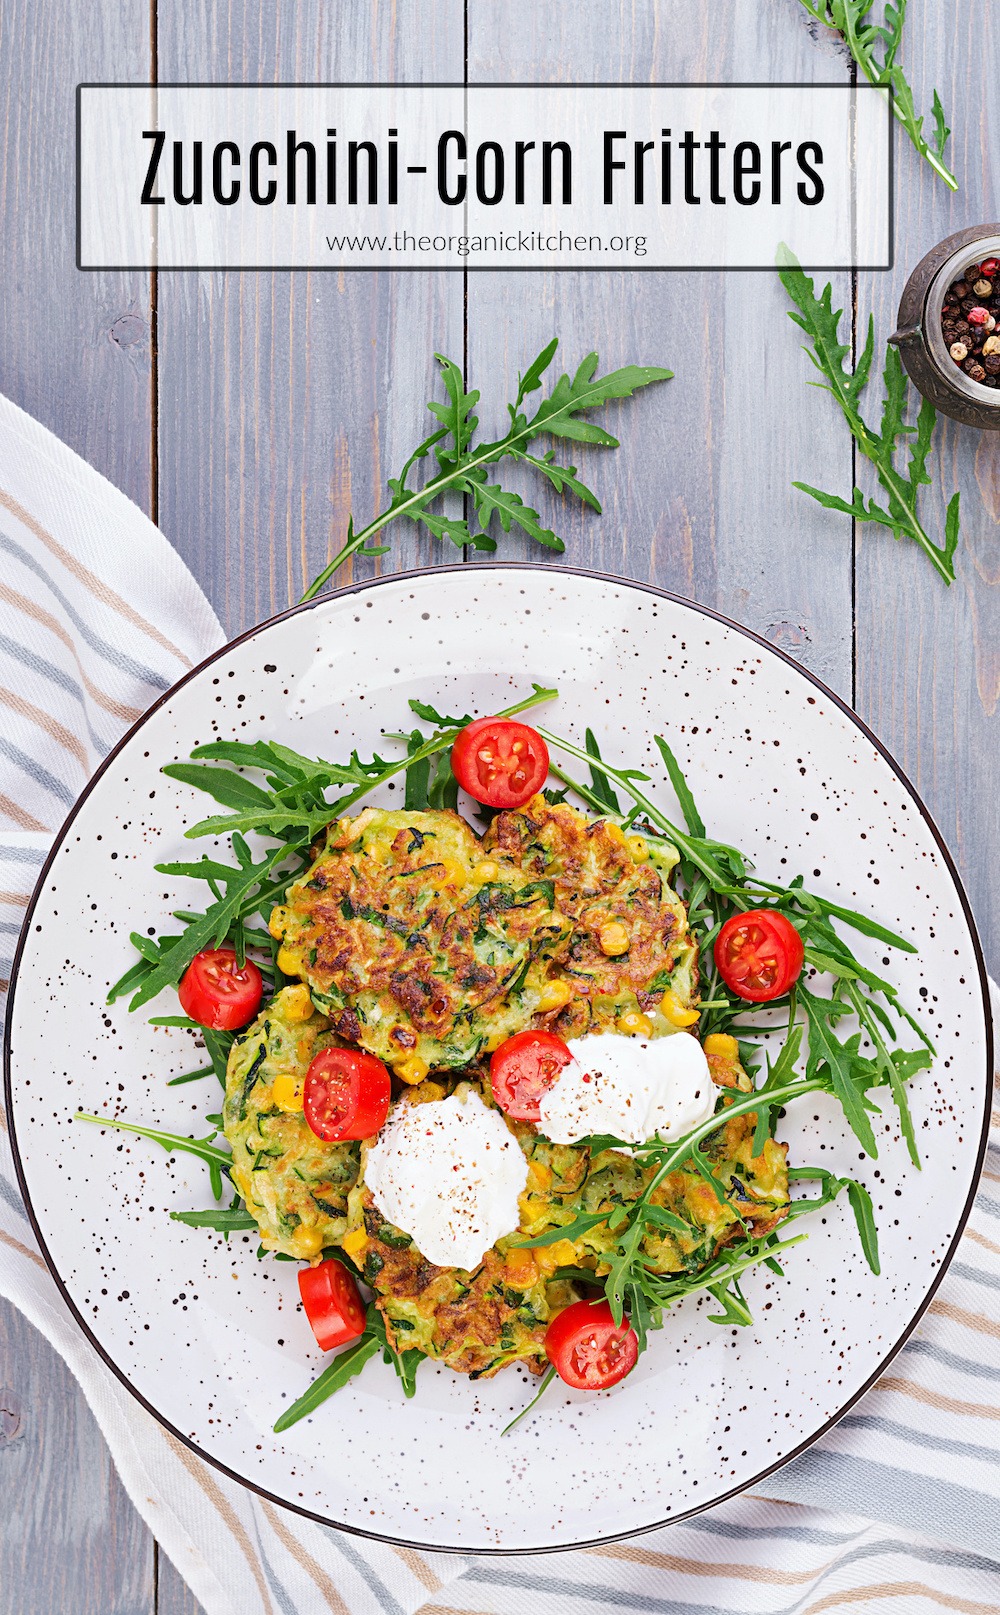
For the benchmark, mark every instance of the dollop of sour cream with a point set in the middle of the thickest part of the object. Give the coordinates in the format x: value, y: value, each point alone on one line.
x: 633, y: 1088
x: 448, y: 1173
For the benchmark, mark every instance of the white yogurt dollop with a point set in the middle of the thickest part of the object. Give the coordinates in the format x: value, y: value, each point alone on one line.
x: 633, y: 1088
x: 448, y: 1173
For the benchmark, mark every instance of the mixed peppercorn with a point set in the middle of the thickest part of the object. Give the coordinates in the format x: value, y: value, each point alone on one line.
x: 969, y: 322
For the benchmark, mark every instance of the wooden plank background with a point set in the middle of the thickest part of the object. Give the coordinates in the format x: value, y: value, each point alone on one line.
x: 249, y: 414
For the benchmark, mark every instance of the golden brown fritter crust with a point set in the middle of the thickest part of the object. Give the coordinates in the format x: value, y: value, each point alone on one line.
x: 600, y: 882
x: 407, y: 947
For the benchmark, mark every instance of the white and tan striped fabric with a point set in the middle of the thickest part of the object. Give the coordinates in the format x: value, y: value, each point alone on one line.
x: 897, y: 1510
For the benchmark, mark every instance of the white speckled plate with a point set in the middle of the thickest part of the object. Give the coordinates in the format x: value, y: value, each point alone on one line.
x: 213, y: 1341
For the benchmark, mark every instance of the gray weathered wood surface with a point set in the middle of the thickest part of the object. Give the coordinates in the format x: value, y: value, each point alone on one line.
x: 251, y: 413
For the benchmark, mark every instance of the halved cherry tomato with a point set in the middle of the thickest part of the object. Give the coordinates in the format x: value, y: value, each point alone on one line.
x: 759, y: 954
x: 523, y: 1069
x: 332, y: 1303
x: 218, y: 993
x: 346, y: 1094
x: 588, y: 1349
x: 500, y: 762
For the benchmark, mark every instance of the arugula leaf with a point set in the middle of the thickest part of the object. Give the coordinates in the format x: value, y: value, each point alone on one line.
x: 430, y: 714
x: 720, y: 1277
x: 864, y: 38
x: 599, y: 780
x: 217, y: 1161
x: 165, y: 961
x: 544, y: 1384
x: 858, y: 1197
x: 232, y: 790
x: 839, y: 1061
x: 571, y: 1230
x: 821, y: 323
x: 405, y: 1363
x: 345, y: 1366
x: 418, y: 775
x: 462, y: 464
x: 442, y: 791
x: 191, y: 1076
x: 682, y: 791
x: 230, y: 1221
x: 861, y: 1205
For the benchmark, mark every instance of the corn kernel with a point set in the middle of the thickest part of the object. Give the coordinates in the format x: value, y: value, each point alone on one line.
x: 287, y: 1092
x: 722, y: 1046
x: 539, y: 1175
x: 613, y: 938
x: 549, y: 1257
x: 520, y: 1269
x: 412, y: 1069
x: 634, y: 1023
x: 673, y: 1010
x: 288, y: 961
x: 616, y: 833
x: 278, y: 921
x: 307, y: 1241
x: 554, y: 995
x: 428, y: 1093
x: 453, y: 874
x: 638, y: 846
x: 487, y: 869
x: 354, y: 1242
x: 295, y: 1003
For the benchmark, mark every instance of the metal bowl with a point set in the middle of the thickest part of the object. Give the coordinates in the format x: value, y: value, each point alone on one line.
x: 921, y: 345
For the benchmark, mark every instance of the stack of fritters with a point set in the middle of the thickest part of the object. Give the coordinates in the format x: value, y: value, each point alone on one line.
x: 428, y: 946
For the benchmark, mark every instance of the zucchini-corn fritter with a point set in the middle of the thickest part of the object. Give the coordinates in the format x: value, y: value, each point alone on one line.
x: 293, y: 1183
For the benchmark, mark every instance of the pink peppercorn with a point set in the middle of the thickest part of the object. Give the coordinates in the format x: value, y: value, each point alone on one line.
x: 989, y: 266
x: 978, y: 316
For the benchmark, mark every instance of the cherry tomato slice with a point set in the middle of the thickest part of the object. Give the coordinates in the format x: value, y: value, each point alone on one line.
x: 587, y: 1349
x: 346, y: 1094
x: 332, y: 1303
x: 523, y: 1069
x: 218, y: 993
x: 759, y: 954
x: 500, y: 762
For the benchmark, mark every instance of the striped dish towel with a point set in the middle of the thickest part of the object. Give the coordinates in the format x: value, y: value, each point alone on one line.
x: 897, y: 1509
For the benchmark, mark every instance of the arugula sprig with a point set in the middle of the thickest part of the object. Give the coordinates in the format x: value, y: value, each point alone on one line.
x: 347, y: 1364
x: 344, y: 1367
x: 292, y: 808
x: 874, y: 46
x: 817, y: 317
x: 217, y: 1160
x: 631, y: 1285
x: 463, y: 465
x: 716, y: 882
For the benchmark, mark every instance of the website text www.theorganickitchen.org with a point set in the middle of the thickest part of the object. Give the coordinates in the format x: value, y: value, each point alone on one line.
x: 469, y: 246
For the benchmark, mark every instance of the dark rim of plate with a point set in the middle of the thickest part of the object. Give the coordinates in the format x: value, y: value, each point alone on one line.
x: 397, y: 579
